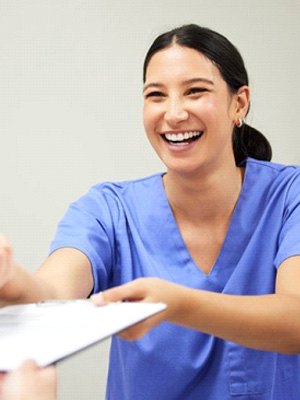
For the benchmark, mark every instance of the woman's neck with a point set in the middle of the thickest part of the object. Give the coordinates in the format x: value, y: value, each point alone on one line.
x: 204, y: 198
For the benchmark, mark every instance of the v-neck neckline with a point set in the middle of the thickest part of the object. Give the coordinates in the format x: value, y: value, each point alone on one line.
x: 228, y: 254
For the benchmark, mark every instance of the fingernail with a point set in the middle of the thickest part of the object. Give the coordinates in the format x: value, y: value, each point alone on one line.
x: 98, y: 299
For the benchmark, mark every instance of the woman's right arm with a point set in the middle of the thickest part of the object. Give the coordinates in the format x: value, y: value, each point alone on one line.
x: 65, y: 274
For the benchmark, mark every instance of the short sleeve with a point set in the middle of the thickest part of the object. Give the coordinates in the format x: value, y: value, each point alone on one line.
x: 289, y: 237
x: 88, y: 227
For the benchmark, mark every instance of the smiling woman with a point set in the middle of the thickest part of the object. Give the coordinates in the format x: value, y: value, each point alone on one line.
x: 215, y: 237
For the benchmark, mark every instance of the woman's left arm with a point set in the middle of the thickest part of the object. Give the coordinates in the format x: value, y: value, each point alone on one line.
x: 264, y: 322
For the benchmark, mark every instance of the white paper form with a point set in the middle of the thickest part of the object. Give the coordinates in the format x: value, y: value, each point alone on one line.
x: 50, y: 331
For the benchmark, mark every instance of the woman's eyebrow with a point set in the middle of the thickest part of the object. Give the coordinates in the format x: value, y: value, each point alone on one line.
x: 199, y: 80
x: 154, y: 85
x: 187, y: 82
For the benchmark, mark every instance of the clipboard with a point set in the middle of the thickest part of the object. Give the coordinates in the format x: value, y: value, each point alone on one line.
x: 50, y: 331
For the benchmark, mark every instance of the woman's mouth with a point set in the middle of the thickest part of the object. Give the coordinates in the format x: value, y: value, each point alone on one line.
x: 182, y: 138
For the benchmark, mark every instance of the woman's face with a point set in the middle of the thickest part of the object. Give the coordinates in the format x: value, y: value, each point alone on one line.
x: 189, y: 112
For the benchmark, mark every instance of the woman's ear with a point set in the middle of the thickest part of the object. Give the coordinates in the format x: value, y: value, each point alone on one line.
x: 242, y: 102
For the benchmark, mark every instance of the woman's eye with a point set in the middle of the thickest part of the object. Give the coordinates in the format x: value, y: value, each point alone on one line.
x: 196, y: 90
x: 154, y: 94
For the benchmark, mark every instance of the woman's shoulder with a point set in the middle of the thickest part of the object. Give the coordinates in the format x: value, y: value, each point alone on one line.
x: 128, y: 191
x: 111, y: 199
x: 127, y: 185
x: 272, y: 169
x: 273, y: 178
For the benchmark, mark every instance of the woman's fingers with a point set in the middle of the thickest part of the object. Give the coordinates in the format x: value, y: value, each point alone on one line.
x: 144, y: 290
x: 141, y: 328
x: 6, y: 260
x: 132, y: 291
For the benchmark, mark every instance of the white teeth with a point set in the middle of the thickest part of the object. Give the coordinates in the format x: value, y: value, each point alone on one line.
x: 179, y: 137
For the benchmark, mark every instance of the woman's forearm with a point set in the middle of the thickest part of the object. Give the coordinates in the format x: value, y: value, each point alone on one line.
x: 267, y: 322
x: 24, y: 287
x: 65, y: 274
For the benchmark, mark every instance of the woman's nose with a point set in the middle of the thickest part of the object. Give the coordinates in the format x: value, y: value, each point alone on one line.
x: 175, y: 112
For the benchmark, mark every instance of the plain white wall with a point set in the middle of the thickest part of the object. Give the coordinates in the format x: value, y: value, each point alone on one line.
x: 70, y: 110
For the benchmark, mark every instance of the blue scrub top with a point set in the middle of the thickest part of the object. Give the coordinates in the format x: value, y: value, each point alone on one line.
x: 127, y: 230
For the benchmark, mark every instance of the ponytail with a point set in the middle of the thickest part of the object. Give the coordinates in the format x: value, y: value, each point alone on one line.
x: 249, y: 142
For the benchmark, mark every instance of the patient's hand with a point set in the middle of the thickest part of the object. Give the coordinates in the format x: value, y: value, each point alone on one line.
x: 29, y: 382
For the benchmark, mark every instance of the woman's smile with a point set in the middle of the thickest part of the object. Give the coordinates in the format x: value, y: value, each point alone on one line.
x: 181, y: 141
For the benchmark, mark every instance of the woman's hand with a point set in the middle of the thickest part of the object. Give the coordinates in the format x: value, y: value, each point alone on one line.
x: 6, y: 261
x: 29, y: 382
x: 259, y: 322
x: 152, y: 290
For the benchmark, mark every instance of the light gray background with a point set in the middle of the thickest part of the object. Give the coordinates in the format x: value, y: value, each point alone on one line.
x: 70, y: 110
